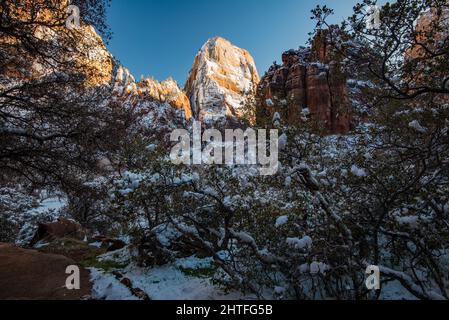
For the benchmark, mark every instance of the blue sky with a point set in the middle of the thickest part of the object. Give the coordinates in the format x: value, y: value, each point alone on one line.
x: 160, y: 38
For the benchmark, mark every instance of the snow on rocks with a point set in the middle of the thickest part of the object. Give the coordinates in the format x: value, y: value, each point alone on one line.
x: 48, y: 209
x: 244, y: 237
x: 222, y: 79
x: 122, y: 256
x: 124, y: 81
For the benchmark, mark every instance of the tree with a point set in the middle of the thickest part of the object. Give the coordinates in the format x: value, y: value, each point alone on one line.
x: 406, y: 54
x: 53, y: 115
x: 376, y: 197
x: 394, y: 196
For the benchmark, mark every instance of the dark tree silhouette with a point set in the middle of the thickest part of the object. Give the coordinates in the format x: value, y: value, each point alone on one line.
x: 52, y: 121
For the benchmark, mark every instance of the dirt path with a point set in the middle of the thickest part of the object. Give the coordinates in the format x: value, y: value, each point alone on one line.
x: 32, y: 275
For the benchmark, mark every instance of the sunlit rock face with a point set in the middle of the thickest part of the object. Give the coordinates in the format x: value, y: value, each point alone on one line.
x: 160, y: 107
x: 47, y: 28
x: 98, y: 58
x: 82, y: 49
x: 309, y: 86
x: 150, y: 89
x: 432, y: 32
x: 222, y: 80
x: 166, y: 91
x: 432, y: 29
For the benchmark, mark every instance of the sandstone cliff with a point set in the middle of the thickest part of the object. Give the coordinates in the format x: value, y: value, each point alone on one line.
x: 48, y: 36
x: 426, y: 54
x: 150, y: 89
x: 222, y: 79
x: 89, y: 56
x: 309, y: 86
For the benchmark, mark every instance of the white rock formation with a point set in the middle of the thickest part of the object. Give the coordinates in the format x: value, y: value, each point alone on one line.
x: 222, y: 78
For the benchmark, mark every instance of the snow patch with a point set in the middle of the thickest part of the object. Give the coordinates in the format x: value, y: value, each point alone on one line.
x: 105, y: 286
x: 282, y: 220
x: 358, y: 172
x: 417, y: 126
x: 303, y: 243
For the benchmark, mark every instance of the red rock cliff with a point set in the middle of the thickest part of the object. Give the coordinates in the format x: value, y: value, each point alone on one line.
x: 309, y: 86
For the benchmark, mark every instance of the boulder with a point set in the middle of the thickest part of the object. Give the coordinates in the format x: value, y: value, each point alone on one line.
x: 63, y: 228
x: 33, y: 275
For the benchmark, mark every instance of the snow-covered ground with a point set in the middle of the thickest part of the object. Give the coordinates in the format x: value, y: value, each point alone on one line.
x: 167, y: 282
x: 170, y: 283
x: 395, y: 291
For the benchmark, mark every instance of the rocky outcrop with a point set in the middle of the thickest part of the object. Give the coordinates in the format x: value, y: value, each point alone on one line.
x: 30, y: 274
x: 309, y: 86
x: 431, y: 28
x: 60, y: 229
x: 158, y: 107
x: 90, y: 54
x: 94, y: 57
x: 222, y: 79
x: 167, y: 91
x: 431, y: 32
